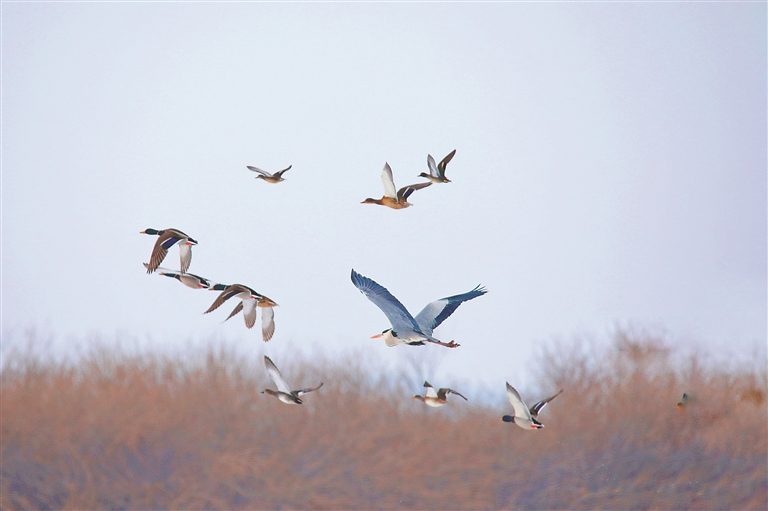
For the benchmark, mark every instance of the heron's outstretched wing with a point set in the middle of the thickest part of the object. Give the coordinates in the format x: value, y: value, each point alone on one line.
x: 436, y: 312
x: 396, y: 313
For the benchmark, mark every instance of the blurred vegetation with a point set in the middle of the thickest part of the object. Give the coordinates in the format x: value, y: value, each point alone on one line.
x: 120, y: 431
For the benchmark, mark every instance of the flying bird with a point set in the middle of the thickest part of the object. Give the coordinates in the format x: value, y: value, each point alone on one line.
x: 683, y: 401
x: 284, y: 392
x: 188, y: 279
x: 249, y: 300
x: 405, y: 328
x: 438, y: 398
x: 526, y: 418
x: 437, y: 172
x: 166, y: 239
x: 270, y: 178
x: 391, y: 199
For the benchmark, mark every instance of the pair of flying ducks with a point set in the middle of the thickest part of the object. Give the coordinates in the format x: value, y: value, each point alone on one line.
x: 526, y: 418
x: 399, y: 199
x: 249, y: 298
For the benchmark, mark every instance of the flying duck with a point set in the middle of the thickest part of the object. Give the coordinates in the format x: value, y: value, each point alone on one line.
x: 188, y: 279
x: 437, y: 173
x: 524, y: 417
x: 391, y: 199
x: 284, y: 392
x: 270, y: 178
x: 438, y: 398
x: 405, y: 328
x: 249, y: 300
x: 166, y: 239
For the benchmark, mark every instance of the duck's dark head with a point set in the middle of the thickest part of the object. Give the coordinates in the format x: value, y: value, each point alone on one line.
x: 424, y: 174
x: 150, y: 231
x: 371, y: 201
x: 218, y: 287
x: 190, y: 241
x: 508, y: 418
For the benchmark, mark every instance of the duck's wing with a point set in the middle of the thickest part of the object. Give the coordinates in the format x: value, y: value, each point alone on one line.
x: 249, y: 311
x: 406, y: 191
x: 164, y: 241
x: 517, y: 403
x: 274, y: 373
x: 536, y: 408
x: 389, y: 181
x: 236, y: 311
x: 430, y: 390
x: 267, y: 323
x: 432, y: 167
x: 262, y: 172
x: 226, y: 294
x: 396, y: 313
x: 185, y: 257
x: 444, y: 162
x: 436, y: 312
x: 279, y: 173
x: 298, y: 393
x: 443, y: 392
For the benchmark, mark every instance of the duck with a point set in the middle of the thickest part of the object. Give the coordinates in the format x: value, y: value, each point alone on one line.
x: 270, y: 178
x: 683, y: 401
x: 435, y: 399
x: 437, y: 172
x: 526, y: 418
x: 166, y: 239
x: 405, y: 328
x: 249, y: 300
x: 391, y: 199
x: 188, y: 279
x: 284, y: 392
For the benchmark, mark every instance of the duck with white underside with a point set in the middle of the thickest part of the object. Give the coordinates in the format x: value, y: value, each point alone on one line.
x: 249, y: 301
x: 437, y: 172
x: 435, y: 399
x: 270, y: 178
x: 394, y: 199
x: 188, y: 279
x: 526, y: 418
x: 166, y: 239
x: 284, y: 392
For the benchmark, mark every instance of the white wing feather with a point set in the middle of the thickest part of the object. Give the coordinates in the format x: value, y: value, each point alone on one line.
x: 517, y: 403
x: 274, y: 373
x: 389, y: 182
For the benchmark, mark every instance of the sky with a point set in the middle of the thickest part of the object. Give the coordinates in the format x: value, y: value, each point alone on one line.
x: 610, y: 172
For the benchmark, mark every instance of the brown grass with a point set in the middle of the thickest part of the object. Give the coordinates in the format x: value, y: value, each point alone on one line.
x: 151, y: 432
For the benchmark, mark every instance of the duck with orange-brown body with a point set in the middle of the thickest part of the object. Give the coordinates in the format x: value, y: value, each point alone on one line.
x: 392, y: 199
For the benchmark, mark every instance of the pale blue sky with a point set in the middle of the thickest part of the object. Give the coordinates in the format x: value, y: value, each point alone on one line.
x: 610, y: 170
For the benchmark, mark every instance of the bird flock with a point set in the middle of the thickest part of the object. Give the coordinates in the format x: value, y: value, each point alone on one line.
x: 404, y: 329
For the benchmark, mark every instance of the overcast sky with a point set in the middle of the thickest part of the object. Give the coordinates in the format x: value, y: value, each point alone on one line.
x: 610, y: 169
